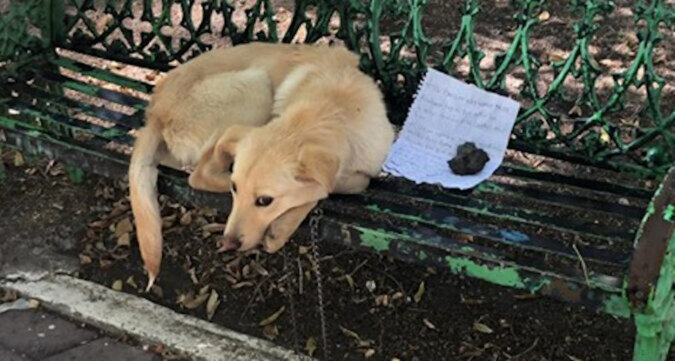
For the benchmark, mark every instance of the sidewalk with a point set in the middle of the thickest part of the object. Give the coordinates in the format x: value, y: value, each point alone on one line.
x: 35, y: 335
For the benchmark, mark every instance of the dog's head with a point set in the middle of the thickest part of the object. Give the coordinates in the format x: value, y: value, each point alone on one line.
x: 272, y: 173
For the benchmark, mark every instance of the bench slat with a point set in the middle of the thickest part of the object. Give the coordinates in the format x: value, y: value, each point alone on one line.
x: 122, y: 120
x: 101, y: 74
x: 503, y: 213
x: 527, y: 173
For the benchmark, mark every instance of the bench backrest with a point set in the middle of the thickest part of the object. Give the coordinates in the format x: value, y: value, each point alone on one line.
x: 572, y: 116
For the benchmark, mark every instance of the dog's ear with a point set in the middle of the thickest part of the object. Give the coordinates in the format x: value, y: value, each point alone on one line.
x: 318, y: 167
x: 226, y: 147
x: 212, y: 171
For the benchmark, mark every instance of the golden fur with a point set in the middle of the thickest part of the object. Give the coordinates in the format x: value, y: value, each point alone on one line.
x: 328, y: 134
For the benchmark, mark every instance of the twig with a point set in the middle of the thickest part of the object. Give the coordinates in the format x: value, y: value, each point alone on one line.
x: 386, y: 274
x: 358, y: 267
x: 252, y: 299
x: 300, y: 276
x: 583, y: 264
x: 534, y: 344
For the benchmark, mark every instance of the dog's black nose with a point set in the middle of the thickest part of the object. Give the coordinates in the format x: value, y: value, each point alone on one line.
x: 229, y: 243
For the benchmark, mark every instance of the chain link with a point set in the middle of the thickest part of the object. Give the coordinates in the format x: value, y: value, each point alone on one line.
x: 316, y: 216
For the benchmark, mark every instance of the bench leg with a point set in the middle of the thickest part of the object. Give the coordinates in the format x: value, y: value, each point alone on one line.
x: 651, y: 277
x: 654, y: 337
x: 655, y: 324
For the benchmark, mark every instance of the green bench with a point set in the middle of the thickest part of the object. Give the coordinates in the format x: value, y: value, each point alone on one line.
x: 597, y: 229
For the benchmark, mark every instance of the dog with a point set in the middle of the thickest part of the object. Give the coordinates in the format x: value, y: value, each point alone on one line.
x: 329, y: 134
x: 301, y: 121
x: 192, y: 106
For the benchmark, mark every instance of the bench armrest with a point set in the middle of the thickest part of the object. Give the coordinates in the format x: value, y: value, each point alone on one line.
x: 652, y: 241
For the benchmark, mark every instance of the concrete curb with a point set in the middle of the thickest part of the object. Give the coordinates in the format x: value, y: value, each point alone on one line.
x: 118, y: 312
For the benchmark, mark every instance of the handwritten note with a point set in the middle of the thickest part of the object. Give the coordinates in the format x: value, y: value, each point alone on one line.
x: 446, y: 113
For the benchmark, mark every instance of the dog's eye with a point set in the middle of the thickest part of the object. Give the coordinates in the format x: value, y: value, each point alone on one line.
x: 263, y: 201
x: 234, y: 187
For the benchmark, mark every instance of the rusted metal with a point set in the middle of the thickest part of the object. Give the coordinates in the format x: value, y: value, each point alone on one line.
x: 652, y: 240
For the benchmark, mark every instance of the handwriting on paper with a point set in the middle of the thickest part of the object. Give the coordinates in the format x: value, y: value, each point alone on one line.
x: 445, y: 114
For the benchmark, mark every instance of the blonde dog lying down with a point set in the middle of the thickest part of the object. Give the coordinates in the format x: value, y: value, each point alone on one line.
x: 301, y: 122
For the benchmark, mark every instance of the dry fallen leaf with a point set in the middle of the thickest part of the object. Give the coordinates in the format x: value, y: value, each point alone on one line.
x: 631, y: 39
x: 419, y: 293
x: 168, y: 220
x: 186, y: 219
x: 260, y: 270
x: 604, y: 136
x: 191, y: 304
x: 270, y: 332
x: 273, y: 317
x: 303, y: 249
x: 482, y: 328
x: 117, y: 285
x: 242, y: 285
x: 214, y: 228
x: 103, y: 22
x: 84, y: 259
x: 576, y: 110
x: 212, y: 304
x: 429, y: 324
x: 131, y: 282
x: 545, y: 15
x: 18, y: 159
x: 349, y: 333
x: 556, y: 55
x: 350, y: 281
x: 382, y: 300
x: 124, y: 240
x: 369, y: 353
x: 310, y: 346
x: 123, y: 226
x: 371, y: 285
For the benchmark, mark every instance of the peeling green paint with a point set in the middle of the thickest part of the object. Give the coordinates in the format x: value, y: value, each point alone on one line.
x: 669, y: 213
x: 504, y: 276
x: 616, y: 305
x: 375, y: 239
x: 489, y: 187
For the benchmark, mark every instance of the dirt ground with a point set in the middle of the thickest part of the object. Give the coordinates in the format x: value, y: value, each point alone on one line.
x: 376, y: 308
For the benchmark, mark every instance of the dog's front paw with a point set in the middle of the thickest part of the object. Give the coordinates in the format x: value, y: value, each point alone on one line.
x: 271, y: 243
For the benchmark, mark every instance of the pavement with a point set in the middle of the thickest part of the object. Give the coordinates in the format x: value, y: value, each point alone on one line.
x: 36, y: 335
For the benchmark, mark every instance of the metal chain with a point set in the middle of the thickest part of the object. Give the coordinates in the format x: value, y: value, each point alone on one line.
x: 316, y: 216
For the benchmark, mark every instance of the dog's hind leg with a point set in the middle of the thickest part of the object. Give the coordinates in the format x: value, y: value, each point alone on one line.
x: 281, y: 230
x: 352, y: 183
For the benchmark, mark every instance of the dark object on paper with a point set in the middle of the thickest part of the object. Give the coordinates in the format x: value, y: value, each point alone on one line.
x: 469, y: 159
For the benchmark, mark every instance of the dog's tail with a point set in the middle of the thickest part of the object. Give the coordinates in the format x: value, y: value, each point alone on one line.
x: 144, y: 205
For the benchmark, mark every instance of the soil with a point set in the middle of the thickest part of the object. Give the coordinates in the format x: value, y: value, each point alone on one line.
x: 374, y: 306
